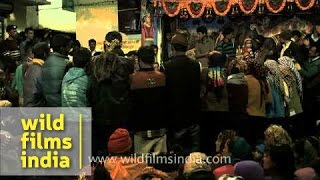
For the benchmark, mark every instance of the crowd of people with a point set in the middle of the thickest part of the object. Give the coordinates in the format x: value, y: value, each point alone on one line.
x: 261, y: 97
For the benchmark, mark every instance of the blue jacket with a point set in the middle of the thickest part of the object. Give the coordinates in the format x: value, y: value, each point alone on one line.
x: 74, y: 88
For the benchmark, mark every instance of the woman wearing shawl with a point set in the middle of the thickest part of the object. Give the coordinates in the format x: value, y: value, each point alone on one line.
x: 293, y: 90
x: 259, y: 94
x: 277, y: 108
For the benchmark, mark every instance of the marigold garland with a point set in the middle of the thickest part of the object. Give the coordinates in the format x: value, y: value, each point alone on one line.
x: 271, y: 9
x: 224, y: 12
x: 166, y: 9
x: 309, y: 6
x: 195, y: 14
x: 244, y: 8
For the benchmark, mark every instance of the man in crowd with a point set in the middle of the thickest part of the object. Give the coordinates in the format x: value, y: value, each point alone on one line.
x: 225, y: 43
x: 314, y: 38
x: 183, y: 83
x: 290, y: 48
x: 113, y: 43
x: 54, y: 70
x: 92, y: 46
x: 148, y: 96
x: 29, y: 33
x: 10, y: 50
x: 203, y: 46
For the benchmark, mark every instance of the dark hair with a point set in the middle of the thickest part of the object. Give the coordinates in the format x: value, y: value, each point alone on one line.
x: 92, y: 41
x: 179, y: 47
x: 200, y: 175
x: 101, y: 173
x: 227, y: 31
x: 285, y: 35
x: 296, y: 33
x: 154, y: 46
x: 202, y: 29
x: 28, y: 29
x: 146, y: 54
x: 110, y: 36
x: 77, y: 44
x: 41, y: 50
x: 283, y: 159
x: 81, y: 57
x: 60, y: 41
x: 28, y: 46
x: 130, y: 53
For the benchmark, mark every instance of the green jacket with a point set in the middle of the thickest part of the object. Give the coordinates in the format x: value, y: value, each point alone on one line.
x: 311, y: 68
x: 17, y: 83
x: 52, y: 75
x: 74, y: 88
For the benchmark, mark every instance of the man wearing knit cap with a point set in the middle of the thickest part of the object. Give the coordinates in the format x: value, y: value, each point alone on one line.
x: 119, y: 142
x: 183, y: 84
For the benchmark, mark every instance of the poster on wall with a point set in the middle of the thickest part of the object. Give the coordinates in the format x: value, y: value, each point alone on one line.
x: 94, y: 19
x: 147, y: 23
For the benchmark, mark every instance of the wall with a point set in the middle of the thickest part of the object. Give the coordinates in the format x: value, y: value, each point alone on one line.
x: 94, y: 20
x: 54, y: 17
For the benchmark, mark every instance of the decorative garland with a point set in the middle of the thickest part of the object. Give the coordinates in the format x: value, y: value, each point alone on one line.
x: 171, y: 11
x: 309, y: 4
x: 222, y: 12
x: 276, y: 9
x: 194, y: 10
x: 244, y: 6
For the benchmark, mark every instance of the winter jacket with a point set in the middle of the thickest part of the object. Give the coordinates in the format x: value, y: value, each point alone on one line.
x: 32, y: 77
x: 311, y: 74
x: 183, y: 83
x: 74, y: 88
x: 52, y: 75
x: 237, y: 93
x: 256, y: 100
x: 109, y: 97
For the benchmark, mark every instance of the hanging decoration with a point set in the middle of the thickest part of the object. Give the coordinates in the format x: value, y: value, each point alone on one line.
x: 208, y: 16
x: 275, y: 6
x: 248, y: 6
x: 198, y: 8
x: 305, y: 4
x: 222, y: 7
x: 171, y: 8
x: 184, y: 14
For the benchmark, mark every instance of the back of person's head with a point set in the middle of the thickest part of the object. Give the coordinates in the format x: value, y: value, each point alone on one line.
x: 110, y: 36
x: 179, y: 41
x: 61, y: 44
x: 307, y: 173
x: 200, y: 175
x: 227, y: 31
x: 285, y: 35
x: 81, y: 57
x: 249, y: 170
x: 296, y: 33
x: 282, y: 158
x: 146, y: 54
x: 77, y: 44
x: 28, y: 47
x: 119, y: 142
x: 217, y: 59
x: 41, y: 50
x: 100, y: 173
x: 202, y: 29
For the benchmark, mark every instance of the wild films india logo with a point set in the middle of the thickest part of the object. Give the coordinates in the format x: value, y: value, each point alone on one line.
x: 45, y: 141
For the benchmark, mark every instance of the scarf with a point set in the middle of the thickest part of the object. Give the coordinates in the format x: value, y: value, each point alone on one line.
x: 289, y: 63
x: 274, y: 75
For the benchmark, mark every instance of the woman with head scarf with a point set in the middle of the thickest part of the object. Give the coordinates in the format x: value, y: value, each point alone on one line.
x: 293, y: 89
x: 276, y: 109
